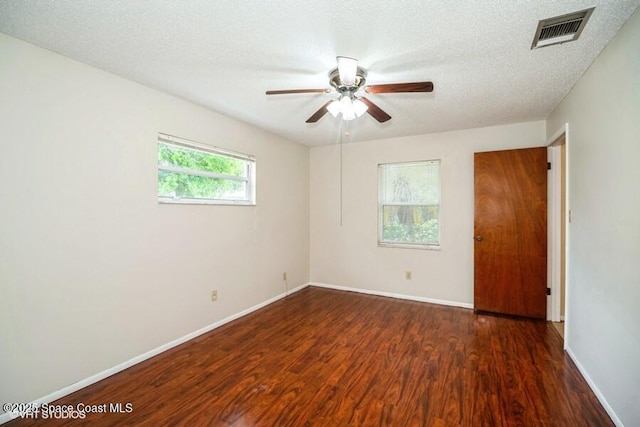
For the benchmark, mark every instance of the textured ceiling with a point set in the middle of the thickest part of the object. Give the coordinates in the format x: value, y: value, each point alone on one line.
x: 225, y: 54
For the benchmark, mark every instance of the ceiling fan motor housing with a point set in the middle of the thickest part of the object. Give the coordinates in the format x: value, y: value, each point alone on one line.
x: 360, y: 81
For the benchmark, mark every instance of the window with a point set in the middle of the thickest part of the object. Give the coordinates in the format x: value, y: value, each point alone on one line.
x: 189, y: 172
x: 409, y: 204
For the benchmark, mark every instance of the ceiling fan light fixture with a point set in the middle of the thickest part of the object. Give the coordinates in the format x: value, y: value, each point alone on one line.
x: 346, y: 103
x: 346, y: 106
x: 348, y: 115
x: 359, y: 107
x: 347, y: 68
x: 334, y: 108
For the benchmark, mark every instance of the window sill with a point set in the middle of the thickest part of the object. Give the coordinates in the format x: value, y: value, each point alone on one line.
x: 408, y: 246
x: 205, y: 202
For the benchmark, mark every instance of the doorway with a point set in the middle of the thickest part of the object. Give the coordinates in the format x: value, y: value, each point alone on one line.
x: 559, y: 219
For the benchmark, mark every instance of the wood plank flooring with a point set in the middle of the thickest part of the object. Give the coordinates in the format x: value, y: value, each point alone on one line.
x: 330, y: 358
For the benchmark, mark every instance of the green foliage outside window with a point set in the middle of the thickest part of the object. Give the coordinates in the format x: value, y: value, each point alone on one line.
x: 181, y: 184
x: 410, y: 224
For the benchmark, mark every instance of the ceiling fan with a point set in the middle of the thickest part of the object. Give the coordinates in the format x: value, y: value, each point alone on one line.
x: 349, y: 81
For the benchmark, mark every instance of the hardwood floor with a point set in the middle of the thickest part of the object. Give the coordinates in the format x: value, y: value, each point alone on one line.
x: 330, y: 358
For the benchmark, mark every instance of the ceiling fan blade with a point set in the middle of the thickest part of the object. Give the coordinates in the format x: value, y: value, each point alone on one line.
x: 376, y: 112
x: 400, y: 87
x: 347, y: 69
x: 287, y: 91
x: 318, y: 114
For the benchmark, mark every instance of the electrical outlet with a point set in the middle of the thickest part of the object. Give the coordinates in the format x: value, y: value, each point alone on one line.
x: 284, y: 276
x: 408, y: 275
x: 214, y: 295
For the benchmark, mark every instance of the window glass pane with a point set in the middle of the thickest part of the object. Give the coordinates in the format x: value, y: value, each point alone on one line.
x: 413, y: 183
x: 412, y: 224
x: 180, y: 185
x: 173, y: 155
x: 409, y: 203
x: 191, y: 172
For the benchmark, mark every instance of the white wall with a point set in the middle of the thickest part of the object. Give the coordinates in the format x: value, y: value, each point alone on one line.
x: 349, y: 256
x: 603, y: 324
x: 93, y: 271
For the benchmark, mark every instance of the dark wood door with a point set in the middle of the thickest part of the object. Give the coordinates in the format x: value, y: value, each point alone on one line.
x: 510, y: 232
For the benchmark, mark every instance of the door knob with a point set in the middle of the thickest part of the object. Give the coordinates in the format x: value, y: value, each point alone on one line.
x: 478, y: 238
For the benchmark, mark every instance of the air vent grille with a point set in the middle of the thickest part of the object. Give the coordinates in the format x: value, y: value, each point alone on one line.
x: 560, y: 29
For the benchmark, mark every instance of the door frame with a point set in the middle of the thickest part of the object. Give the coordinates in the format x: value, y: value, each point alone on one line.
x: 554, y: 229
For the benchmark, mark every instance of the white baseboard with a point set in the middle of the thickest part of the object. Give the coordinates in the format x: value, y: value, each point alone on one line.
x: 594, y: 388
x: 393, y: 295
x: 5, y: 417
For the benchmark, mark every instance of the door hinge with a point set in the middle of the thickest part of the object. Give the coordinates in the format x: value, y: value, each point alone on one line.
x: 548, y: 291
x: 548, y: 166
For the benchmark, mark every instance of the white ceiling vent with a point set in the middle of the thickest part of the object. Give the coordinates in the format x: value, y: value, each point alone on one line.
x: 561, y: 29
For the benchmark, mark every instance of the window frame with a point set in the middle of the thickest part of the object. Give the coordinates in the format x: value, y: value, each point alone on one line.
x: 249, y: 179
x: 407, y: 245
